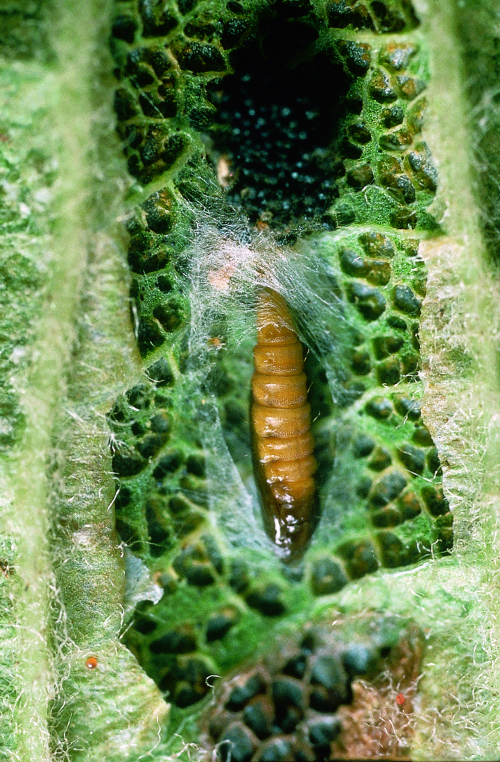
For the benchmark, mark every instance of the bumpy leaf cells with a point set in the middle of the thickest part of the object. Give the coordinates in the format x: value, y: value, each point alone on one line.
x: 286, y: 706
x: 275, y: 121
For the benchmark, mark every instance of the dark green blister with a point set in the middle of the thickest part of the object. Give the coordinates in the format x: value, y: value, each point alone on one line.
x: 292, y: 128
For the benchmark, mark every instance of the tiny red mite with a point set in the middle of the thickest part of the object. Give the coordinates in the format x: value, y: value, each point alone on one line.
x: 282, y: 443
x: 91, y: 662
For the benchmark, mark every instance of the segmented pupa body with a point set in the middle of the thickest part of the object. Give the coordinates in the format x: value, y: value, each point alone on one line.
x: 282, y: 443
